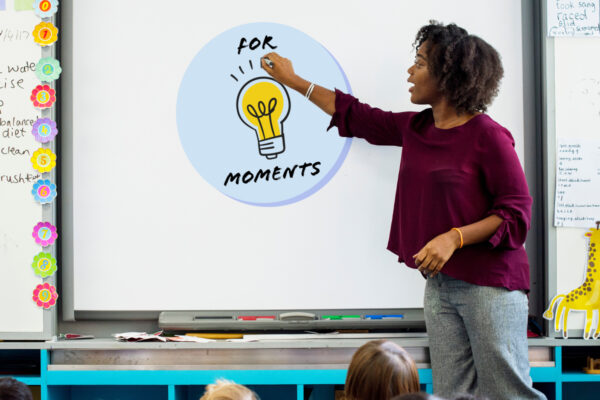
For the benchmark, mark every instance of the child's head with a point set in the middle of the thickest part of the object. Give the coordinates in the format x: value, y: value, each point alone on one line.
x: 227, y: 390
x: 417, y: 396
x: 380, y: 370
x: 12, y: 389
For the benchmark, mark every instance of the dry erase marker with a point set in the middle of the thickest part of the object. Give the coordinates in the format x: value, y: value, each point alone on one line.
x: 385, y: 316
x: 340, y: 317
x: 255, y: 317
x: 268, y: 62
x: 74, y: 336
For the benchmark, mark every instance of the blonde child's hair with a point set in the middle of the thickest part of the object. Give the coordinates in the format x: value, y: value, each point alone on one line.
x: 227, y: 390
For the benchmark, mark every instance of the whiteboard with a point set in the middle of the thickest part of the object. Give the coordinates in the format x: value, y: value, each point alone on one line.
x: 20, y: 318
x: 577, y: 115
x: 151, y: 233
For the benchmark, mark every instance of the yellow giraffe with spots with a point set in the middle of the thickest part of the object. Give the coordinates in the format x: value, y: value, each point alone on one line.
x: 586, y: 297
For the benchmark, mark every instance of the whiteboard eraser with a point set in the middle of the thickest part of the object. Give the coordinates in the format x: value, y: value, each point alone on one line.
x: 296, y: 315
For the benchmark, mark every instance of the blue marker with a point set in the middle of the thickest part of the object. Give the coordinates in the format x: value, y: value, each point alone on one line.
x: 385, y: 316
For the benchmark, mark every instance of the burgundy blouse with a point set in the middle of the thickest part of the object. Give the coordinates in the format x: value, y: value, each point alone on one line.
x: 450, y: 178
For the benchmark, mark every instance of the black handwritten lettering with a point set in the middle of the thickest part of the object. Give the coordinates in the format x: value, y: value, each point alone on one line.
x: 16, y: 122
x: 232, y: 178
x: 262, y: 175
x: 247, y: 177
x: 14, y: 151
x: 275, y: 173
x: 11, y: 83
x: 28, y: 66
x: 19, y: 178
x: 289, y: 171
x: 13, y: 133
x: 316, y: 169
x: 255, y: 43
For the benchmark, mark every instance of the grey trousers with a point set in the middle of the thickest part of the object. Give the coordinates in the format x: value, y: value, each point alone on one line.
x: 478, y: 340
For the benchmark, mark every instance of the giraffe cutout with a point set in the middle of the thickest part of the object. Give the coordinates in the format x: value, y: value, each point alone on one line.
x: 586, y: 297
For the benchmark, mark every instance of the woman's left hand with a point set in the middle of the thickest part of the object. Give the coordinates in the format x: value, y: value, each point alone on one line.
x: 432, y: 257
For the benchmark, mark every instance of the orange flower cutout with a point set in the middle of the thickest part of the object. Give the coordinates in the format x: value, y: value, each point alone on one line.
x: 45, y: 33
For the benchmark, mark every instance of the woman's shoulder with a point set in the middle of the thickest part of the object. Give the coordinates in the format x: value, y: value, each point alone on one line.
x: 489, y: 130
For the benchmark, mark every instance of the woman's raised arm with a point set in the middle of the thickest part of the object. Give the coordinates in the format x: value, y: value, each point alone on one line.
x: 282, y: 71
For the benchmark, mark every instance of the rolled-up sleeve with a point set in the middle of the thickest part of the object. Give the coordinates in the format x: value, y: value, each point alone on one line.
x: 356, y: 119
x: 505, y: 180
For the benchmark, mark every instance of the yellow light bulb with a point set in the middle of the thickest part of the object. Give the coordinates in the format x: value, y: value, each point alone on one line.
x: 263, y: 104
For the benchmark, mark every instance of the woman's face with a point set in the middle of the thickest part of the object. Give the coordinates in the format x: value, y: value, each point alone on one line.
x: 424, y: 89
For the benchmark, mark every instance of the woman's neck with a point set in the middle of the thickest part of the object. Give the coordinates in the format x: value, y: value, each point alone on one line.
x: 445, y: 116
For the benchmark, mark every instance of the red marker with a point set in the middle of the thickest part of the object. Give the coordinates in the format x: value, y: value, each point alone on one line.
x: 255, y: 317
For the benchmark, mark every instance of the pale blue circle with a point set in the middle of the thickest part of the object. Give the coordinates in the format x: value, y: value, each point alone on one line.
x: 218, y: 143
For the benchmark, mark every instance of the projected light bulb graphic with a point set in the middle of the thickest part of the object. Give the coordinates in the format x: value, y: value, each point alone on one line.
x: 263, y: 104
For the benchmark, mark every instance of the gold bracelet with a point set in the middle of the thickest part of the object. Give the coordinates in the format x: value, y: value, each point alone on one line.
x: 461, y: 236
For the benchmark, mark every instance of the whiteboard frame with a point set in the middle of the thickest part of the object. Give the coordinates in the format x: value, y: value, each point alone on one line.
x: 532, y: 117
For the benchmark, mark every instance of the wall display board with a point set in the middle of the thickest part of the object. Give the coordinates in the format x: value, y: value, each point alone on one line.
x: 27, y: 170
x: 575, y: 141
x: 197, y: 183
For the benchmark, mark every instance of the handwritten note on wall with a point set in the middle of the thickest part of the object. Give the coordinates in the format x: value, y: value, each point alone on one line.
x: 18, y: 210
x: 577, y: 183
x: 573, y: 17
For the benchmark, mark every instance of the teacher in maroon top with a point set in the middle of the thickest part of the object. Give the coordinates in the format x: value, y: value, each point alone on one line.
x: 462, y: 208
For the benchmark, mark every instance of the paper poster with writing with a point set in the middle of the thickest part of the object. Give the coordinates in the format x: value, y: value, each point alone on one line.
x: 573, y: 17
x: 577, y: 183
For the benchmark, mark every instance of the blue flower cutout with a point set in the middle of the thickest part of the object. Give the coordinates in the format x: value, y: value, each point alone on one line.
x: 44, y: 191
x: 45, y: 8
x: 48, y: 69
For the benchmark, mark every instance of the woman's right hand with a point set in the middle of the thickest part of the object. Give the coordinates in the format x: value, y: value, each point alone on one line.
x: 282, y: 70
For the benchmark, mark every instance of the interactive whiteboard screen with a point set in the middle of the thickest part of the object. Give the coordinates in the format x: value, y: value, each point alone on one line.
x: 183, y: 200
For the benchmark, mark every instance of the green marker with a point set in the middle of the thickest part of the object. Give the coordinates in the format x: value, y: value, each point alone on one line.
x: 340, y: 317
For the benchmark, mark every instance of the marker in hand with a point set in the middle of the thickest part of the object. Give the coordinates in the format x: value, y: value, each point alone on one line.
x: 268, y: 62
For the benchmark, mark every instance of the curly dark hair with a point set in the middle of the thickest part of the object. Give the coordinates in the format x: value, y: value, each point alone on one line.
x: 467, y: 68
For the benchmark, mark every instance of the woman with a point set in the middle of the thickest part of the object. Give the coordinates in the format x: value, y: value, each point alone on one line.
x: 462, y: 208
x: 380, y: 370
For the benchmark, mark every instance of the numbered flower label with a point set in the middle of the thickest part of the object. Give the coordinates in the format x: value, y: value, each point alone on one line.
x: 43, y: 96
x: 45, y: 8
x: 45, y: 295
x: 48, y: 69
x: 43, y: 160
x: 45, y: 33
x: 44, y: 264
x: 44, y: 130
x: 44, y: 191
x: 44, y: 234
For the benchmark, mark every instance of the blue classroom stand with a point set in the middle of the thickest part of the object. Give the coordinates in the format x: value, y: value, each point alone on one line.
x: 181, y: 384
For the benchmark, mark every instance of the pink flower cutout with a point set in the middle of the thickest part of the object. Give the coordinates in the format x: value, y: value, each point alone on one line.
x: 44, y: 233
x: 45, y: 295
x: 43, y: 96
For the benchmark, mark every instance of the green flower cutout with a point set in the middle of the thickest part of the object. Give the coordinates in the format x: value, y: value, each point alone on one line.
x: 48, y: 69
x: 44, y: 264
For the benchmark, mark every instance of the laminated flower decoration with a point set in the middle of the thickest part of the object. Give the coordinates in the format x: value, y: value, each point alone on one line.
x: 45, y: 295
x: 45, y: 33
x: 48, y: 69
x: 43, y: 160
x: 44, y: 191
x: 43, y: 96
x: 44, y: 130
x: 44, y: 264
x: 45, y: 8
x: 44, y: 233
